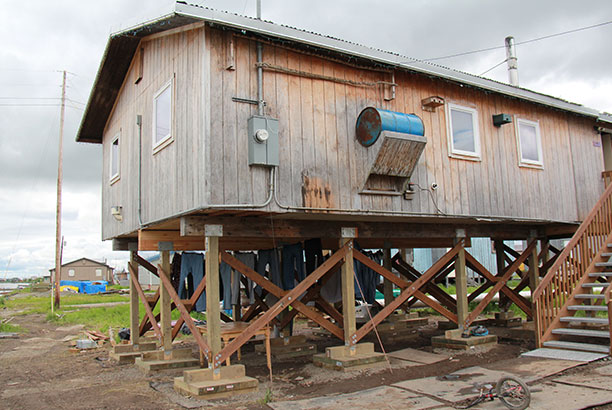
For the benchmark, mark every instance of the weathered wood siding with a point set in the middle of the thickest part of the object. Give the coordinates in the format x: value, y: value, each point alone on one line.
x: 318, y: 145
x: 173, y: 179
x: 321, y: 162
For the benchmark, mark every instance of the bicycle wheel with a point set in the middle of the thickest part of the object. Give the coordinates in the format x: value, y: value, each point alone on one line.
x: 513, y: 392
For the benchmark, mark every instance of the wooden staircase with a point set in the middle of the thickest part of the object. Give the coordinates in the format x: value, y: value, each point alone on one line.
x: 573, y: 310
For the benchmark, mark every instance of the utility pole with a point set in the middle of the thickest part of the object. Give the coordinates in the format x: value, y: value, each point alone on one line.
x: 58, y: 213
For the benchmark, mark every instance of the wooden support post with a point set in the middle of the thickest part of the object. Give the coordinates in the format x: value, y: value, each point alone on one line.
x: 501, y: 266
x: 534, y: 273
x: 348, y: 287
x: 134, y: 312
x: 213, y: 311
x: 165, y: 307
x: 388, y: 285
x: 461, y: 283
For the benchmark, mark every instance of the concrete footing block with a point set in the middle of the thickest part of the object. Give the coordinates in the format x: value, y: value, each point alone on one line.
x: 221, y: 382
x: 345, y: 358
x: 160, y: 360
x: 452, y: 339
x: 288, y: 347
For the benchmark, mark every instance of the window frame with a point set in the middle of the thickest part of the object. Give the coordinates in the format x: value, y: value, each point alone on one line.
x: 71, y: 273
x: 458, y: 153
x: 528, y: 163
x: 167, y: 139
x: 114, y: 177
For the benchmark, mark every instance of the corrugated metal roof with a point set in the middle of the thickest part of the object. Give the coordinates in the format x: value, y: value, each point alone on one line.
x: 122, y: 45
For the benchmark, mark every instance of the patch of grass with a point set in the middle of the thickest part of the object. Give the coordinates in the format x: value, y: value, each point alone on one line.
x: 267, y: 398
x: 2, y: 301
x: 42, y: 304
x: 8, y: 328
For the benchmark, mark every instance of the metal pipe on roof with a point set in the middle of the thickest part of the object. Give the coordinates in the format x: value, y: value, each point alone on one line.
x: 512, y: 62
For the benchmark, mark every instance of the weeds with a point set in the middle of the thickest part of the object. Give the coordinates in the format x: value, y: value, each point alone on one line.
x: 267, y: 398
x: 8, y: 328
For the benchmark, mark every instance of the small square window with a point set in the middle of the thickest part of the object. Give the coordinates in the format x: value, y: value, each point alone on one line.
x: 529, y: 143
x: 162, y: 116
x: 70, y: 272
x: 99, y: 272
x: 463, y: 135
x: 114, y: 159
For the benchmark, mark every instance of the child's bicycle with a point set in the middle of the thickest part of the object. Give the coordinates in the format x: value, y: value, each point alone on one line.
x: 512, y: 392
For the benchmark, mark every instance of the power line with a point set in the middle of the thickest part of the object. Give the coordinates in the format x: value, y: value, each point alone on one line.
x: 494, y: 67
x: 482, y: 50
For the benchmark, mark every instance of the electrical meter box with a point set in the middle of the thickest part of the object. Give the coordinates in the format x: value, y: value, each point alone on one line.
x: 263, y: 140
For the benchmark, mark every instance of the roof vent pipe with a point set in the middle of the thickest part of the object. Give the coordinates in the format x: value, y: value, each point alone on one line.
x: 512, y: 62
x: 258, y: 9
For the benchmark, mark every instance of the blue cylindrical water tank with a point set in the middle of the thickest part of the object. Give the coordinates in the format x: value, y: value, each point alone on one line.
x: 372, y: 121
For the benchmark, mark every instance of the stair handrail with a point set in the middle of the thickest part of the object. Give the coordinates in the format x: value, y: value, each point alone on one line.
x: 608, y: 300
x: 552, y: 293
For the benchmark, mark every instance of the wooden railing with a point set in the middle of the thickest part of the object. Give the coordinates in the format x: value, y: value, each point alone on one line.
x: 608, y: 299
x: 572, y: 266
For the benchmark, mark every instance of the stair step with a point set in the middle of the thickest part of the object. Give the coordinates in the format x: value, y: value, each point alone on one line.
x: 598, y: 274
x: 582, y: 332
x: 597, y: 320
x: 607, y: 254
x: 595, y: 285
x: 586, y: 347
x: 589, y: 296
x: 590, y: 308
x: 603, y: 264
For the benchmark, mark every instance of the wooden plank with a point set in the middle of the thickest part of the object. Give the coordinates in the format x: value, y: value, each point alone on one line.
x: 134, y: 278
x: 165, y: 280
x: 148, y: 240
x: 165, y: 301
x: 348, y: 291
x: 461, y: 288
x: 213, y: 319
x: 134, y: 314
x: 190, y: 305
x: 279, y: 293
x: 288, y: 298
x: 507, y: 274
x: 405, y: 294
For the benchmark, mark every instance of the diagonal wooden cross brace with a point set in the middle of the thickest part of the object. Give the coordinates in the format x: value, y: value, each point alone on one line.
x: 286, y: 298
x: 412, y: 274
x: 501, y: 283
x: 143, y: 298
x: 165, y: 279
x: 402, y: 284
x: 280, y: 293
x: 409, y: 291
x: 513, y: 294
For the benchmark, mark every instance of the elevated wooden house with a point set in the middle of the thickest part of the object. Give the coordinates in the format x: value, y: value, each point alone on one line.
x: 232, y: 133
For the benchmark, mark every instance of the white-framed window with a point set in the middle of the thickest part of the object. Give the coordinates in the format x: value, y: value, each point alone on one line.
x: 70, y: 272
x: 99, y: 272
x: 529, y: 143
x: 463, y: 134
x: 163, y: 108
x: 115, y: 159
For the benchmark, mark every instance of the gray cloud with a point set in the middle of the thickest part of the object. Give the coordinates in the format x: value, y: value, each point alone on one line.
x: 42, y: 37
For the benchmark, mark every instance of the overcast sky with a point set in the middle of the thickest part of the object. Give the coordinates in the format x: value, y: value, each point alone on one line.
x: 40, y: 38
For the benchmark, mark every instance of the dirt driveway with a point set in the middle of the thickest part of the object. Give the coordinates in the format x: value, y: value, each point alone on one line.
x: 38, y: 370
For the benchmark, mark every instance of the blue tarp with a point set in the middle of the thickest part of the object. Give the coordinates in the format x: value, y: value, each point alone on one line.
x: 86, y: 286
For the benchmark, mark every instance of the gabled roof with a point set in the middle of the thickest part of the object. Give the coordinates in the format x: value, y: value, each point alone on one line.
x: 83, y: 259
x: 122, y: 46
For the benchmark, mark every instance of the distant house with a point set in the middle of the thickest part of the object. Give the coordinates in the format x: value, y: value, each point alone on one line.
x: 85, y: 269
